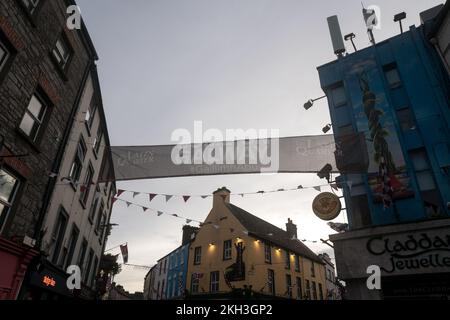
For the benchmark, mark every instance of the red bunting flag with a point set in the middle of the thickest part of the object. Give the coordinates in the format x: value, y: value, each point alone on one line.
x: 152, y: 196
x: 119, y: 192
x: 186, y: 198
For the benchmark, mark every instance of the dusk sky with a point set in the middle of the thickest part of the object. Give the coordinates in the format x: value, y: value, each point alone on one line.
x: 233, y: 64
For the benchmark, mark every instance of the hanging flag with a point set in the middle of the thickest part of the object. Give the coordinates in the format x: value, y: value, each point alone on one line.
x: 136, y: 194
x: 204, y: 197
x: 334, y: 186
x: 168, y: 197
x: 113, y: 200
x: 175, y: 215
x: 242, y: 195
x: 152, y: 196
x: 281, y: 190
x: 188, y: 221
x: 318, y: 189
x: 145, y: 209
x: 119, y: 192
x: 128, y: 204
x: 261, y: 192
x: 160, y: 213
x: 299, y: 187
x: 186, y: 198
x: 124, y: 250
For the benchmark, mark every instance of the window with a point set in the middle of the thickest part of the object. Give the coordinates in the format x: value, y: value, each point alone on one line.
x: 338, y: 96
x: 88, y: 267
x: 77, y: 165
x: 392, y: 77
x: 30, y: 5
x: 72, y: 245
x: 90, y: 114
x: 197, y: 255
x: 194, y: 283
x: 271, y: 281
x: 62, y: 53
x: 287, y: 260
x: 320, y: 291
x: 4, y: 55
x: 308, y: 290
x: 267, y: 253
x: 289, y: 286
x: 297, y: 263
x: 162, y: 289
x: 103, y: 228
x: 58, y: 234
x: 314, y: 290
x: 165, y: 266
x: 94, y: 272
x: 9, y: 185
x: 227, y: 245
x: 82, y: 255
x: 157, y: 290
x: 313, y: 270
x: 214, y: 282
x: 98, y: 224
x: 93, y: 210
x: 299, y: 288
x: 96, y: 147
x: 33, y: 118
x: 86, y: 187
x: 426, y: 181
x: 406, y: 119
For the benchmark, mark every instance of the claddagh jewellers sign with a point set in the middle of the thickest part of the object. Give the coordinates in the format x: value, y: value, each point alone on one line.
x: 410, y: 253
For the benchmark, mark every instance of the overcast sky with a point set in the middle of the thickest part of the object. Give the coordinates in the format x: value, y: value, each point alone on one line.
x: 233, y: 64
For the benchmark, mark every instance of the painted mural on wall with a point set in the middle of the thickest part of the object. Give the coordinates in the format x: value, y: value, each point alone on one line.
x: 236, y: 272
x: 388, y: 177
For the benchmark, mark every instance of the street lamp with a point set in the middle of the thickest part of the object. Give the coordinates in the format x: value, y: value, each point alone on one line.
x: 310, y: 102
x: 398, y: 18
x: 350, y: 37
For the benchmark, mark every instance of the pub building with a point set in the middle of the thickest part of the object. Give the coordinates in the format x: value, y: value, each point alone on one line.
x: 395, y: 93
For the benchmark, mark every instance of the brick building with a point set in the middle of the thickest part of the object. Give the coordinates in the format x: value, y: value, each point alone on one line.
x: 43, y: 68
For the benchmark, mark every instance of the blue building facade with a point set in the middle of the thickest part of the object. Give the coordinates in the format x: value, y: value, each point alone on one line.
x: 397, y: 94
x: 177, y: 271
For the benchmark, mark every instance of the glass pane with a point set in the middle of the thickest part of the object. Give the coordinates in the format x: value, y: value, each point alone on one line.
x: 338, y: 96
x: 7, y: 184
x: 61, y: 48
x: 419, y: 159
x: 406, y: 120
x: 426, y: 181
x: 28, y: 125
x: 393, y: 77
x: 35, y: 107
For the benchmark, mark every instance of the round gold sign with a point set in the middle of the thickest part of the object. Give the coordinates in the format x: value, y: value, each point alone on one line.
x: 327, y: 206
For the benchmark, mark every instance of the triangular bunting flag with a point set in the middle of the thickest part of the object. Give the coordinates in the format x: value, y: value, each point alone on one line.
x: 113, y: 200
x: 119, y: 192
x: 151, y: 196
x: 188, y: 221
x: 317, y: 189
x: 175, y: 215
x: 128, y: 204
x: 160, y: 213
x: 135, y: 194
x: 204, y: 197
x: 334, y: 186
x: 186, y: 198
x: 300, y: 187
x: 242, y: 195
x: 144, y: 209
x: 261, y: 192
x: 281, y: 190
x: 168, y: 197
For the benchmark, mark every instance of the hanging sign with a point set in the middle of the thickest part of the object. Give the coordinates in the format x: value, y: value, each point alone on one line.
x: 327, y: 206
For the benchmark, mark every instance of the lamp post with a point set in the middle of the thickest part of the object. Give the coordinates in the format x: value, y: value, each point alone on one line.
x: 350, y: 37
x: 398, y: 18
x: 308, y: 105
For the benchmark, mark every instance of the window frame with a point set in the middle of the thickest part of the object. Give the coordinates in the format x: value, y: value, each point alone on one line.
x: 195, y: 283
x: 81, y: 146
x: 62, y: 68
x: 267, y: 253
x: 214, y: 281
x: 298, y: 282
x: 9, y: 204
x: 72, y: 244
x: 58, y: 234
x: 297, y: 263
x: 197, y: 254
x: 271, y: 282
x: 288, y: 279
x: 227, y: 250
x: 46, y: 106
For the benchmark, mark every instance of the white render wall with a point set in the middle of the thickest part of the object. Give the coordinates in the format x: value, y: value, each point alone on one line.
x: 66, y: 196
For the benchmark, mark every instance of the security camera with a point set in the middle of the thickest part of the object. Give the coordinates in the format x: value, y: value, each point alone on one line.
x: 325, y: 172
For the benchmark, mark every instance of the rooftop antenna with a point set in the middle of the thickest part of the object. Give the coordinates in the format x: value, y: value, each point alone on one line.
x: 350, y: 37
x: 371, y: 21
x: 398, y: 18
x: 336, y: 36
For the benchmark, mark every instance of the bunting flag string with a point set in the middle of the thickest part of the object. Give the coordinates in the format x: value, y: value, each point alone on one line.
x: 186, y: 198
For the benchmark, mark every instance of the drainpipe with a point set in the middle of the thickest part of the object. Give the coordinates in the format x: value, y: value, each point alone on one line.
x: 59, y: 157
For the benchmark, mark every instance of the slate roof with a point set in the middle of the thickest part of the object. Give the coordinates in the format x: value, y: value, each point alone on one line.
x: 265, y: 231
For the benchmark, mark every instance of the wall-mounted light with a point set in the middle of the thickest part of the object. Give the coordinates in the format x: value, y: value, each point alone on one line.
x: 327, y: 128
x: 350, y: 37
x: 398, y: 18
x: 212, y: 244
x: 308, y: 105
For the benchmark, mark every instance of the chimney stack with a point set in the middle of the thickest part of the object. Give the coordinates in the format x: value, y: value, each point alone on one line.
x: 291, y: 229
x: 221, y: 196
x: 188, y: 234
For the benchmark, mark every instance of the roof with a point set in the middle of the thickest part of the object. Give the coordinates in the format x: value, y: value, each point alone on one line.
x: 268, y: 232
x: 440, y: 19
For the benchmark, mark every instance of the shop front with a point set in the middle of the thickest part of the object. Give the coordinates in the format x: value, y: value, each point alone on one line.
x: 14, y: 261
x: 414, y: 260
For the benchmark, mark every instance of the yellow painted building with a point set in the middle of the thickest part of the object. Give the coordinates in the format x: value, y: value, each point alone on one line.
x: 235, y: 249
